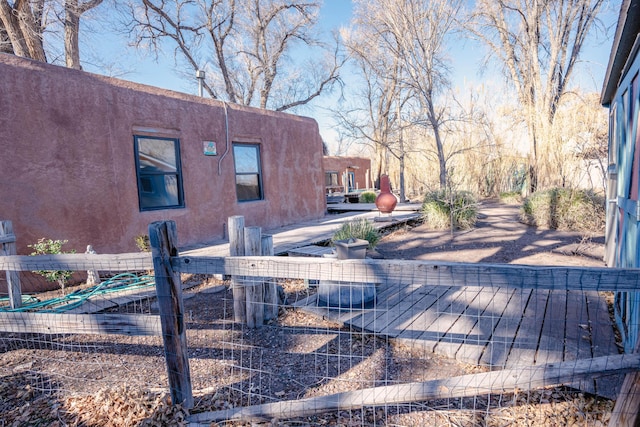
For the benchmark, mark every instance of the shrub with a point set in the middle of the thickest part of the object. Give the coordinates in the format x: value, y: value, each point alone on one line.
x: 442, y: 207
x: 511, y: 197
x: 359, y: 229
x: 142, y: 242
x: 565, y: 209
x: 52, y: 247
x: 368, y: 197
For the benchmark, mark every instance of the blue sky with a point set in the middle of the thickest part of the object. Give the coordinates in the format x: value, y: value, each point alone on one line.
x: 465, y: 55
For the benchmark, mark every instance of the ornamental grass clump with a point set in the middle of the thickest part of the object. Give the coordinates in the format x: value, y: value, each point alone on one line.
x: 359, y: 229
x: 565, y: 209
x: 445, y: 209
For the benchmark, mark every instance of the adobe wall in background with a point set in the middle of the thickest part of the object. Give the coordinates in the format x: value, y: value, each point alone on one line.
x: 341, y: 164
x: 67, y: 167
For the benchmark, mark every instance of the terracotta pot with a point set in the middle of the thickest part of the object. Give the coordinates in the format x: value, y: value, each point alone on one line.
x: 386, y: 202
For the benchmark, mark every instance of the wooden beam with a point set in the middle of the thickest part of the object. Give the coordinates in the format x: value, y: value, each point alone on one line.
x: 92, y: 324
x: 254, y: 286
x: 136, y: 261
x: 402, y: 272
x: 236, y: 248
x: 7, y: 238
x: 505, y: 381
x: 163, y: 238
x: 270, y: 286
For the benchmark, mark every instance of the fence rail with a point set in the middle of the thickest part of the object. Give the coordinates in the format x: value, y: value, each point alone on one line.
x: 394, y: 272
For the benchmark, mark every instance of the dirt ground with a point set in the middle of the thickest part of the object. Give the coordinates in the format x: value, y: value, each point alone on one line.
x: 498, y: 237
x: 293, y: 357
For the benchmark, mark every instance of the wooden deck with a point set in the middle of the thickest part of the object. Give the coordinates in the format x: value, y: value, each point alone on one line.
x: 286, y: 239
x: 489, y: 326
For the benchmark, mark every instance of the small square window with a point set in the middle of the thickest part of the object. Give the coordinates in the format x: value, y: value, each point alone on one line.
x: 158, y: 172
x: 248, y: 172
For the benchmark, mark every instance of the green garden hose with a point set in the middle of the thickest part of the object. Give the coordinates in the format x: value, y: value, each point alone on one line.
x: 119, y: 283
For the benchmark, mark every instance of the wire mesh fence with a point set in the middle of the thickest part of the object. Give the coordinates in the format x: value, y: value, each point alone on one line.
x: 353, y: 343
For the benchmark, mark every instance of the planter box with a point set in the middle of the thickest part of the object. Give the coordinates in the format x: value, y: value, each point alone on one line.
x: 351, y: 248
x: 347, y: 294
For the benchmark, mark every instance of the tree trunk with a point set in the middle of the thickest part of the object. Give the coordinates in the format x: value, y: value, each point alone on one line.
x: 71, y: 30
x: 12, y: 27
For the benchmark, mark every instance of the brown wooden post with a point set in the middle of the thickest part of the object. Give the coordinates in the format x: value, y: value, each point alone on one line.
x: 236, y: 248
x: 254, y: 286
x: 270, y: 287
x: 8, y: 247
x: 163, y: 238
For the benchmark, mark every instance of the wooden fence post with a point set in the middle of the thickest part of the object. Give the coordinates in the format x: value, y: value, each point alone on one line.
x: 8, y: 247
x: 625, y: 412
x: 254, y: 286
x: 270, y: 287
x: 236, y: 248
x: 163, y: 238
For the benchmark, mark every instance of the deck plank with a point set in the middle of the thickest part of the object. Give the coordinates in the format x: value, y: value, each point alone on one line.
x: 429, y: 326
x: 389, y: 299
x: 525, y: 329
x: 484, y: 334
x: 401, y: 318
x: 460, y: 325
x: 603, y: 342
x: 551, y: 344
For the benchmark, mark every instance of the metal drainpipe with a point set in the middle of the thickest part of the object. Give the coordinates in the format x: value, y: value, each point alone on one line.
x: 226, y: 141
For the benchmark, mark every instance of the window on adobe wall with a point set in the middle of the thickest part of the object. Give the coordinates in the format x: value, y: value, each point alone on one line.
x: 331, y: 179
x: 158, y: 172
x: 246, y: 158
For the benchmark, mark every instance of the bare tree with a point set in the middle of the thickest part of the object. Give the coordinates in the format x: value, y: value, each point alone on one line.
x: 23, y: 24
x: 246, y: 48
x: 371, y: 117
x: 73, y: 10
x: 420, y: 30
x: 411, y: 35
x: 539, y: 43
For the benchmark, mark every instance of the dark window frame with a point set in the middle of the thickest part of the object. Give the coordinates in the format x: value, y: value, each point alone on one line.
x: 145, y: 178
x: 257, y: 173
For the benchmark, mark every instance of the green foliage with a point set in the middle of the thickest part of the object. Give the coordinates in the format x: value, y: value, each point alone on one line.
x: 142, y: 242
x: 52, y: 247
x: 368, y: 197
x: 447, y: 209
x: 565, y: 209
x: 359, y: 229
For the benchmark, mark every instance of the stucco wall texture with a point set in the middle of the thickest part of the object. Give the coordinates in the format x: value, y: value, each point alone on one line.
x: 67, y: 167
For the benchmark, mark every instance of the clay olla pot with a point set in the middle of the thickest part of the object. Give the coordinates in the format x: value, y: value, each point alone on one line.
x: 386, y: 202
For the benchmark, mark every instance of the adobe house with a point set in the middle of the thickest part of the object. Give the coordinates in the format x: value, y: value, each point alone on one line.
x: 94, y: 160
x: 346, y: 174
x: 621, y: 94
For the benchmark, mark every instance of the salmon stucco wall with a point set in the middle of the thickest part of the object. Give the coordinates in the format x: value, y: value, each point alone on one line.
x: 360, y: 166
x: 67, y: 168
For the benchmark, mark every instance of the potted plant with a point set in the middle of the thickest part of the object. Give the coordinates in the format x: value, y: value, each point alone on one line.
x: 351, y: 241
